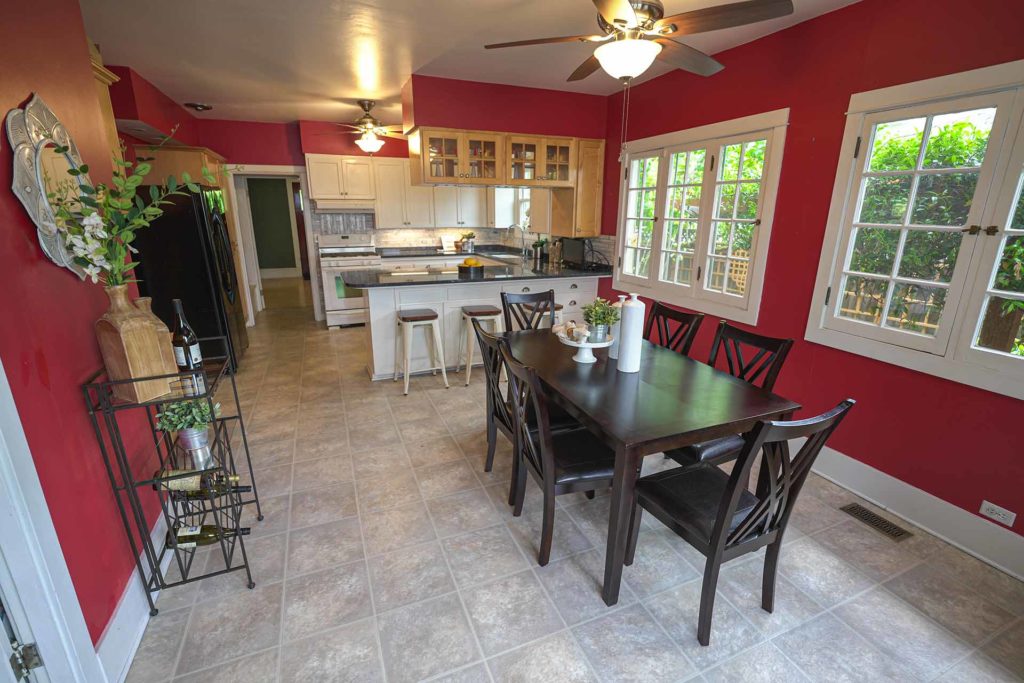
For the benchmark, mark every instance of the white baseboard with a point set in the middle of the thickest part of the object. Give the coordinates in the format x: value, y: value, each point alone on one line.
x: 272, y: 273
x: 988, y: 541
x: 123, y: 634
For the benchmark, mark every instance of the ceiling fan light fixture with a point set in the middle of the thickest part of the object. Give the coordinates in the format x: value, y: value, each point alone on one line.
x: 369, y: 142
x: 627, y: 58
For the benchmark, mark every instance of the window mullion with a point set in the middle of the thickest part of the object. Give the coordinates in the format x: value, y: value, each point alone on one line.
x: 705, y: 220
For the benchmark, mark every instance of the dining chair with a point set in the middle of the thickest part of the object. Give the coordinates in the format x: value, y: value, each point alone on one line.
x: 528, y: 311
x: 499, y: 412
x: 754, y: 358
x: 560, y: 462
x: 658, y: 329
x: 716, y: 514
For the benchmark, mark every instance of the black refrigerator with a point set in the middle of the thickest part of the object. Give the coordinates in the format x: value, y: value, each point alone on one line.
x: 186, y: 254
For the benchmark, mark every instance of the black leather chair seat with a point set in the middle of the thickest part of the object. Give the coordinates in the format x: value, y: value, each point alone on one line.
x: 716, y: 451
x: 691, y: 496
x: 581, y: 457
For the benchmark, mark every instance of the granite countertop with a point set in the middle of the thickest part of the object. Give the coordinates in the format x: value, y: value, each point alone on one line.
x: 481, y: 249
x: 364, y: 279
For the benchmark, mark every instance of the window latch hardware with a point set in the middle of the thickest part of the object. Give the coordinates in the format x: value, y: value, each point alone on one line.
x: 972, y: 229
x: 698, y: 272
x: 992, y: 230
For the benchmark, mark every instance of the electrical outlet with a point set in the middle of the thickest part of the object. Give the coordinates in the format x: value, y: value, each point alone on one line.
x: 1001, y: 515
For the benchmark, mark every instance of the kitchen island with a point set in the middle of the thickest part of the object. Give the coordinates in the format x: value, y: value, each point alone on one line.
x: 430, y: 279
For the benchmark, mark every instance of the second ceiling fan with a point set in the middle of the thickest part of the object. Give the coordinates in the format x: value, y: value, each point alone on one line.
x: 635, y: 33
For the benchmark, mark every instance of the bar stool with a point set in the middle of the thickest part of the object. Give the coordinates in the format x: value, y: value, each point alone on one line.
x: 558, y: 312
x: 408, y: 321
x: 481, y: 313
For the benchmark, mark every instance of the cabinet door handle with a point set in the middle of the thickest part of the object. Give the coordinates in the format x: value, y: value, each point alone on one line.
x: 526, y: 289
x: 574, y: 286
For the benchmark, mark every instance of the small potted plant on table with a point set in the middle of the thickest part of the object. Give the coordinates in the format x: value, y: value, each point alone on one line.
x: 538, y: 251
x: 467, y: 241
x: 191, y: 420
x: 600, y: 316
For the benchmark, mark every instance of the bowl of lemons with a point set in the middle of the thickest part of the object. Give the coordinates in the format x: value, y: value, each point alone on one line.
x: 471, y: 268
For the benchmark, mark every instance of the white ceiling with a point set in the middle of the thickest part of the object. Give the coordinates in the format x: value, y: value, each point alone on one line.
x: 268, y: 60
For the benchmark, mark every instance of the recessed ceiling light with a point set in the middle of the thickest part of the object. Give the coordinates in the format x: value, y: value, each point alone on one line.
x: 199, y: 106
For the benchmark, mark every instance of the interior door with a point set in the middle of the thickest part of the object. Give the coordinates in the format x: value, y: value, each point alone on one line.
x: 358, y: 178
x: 391, y: 180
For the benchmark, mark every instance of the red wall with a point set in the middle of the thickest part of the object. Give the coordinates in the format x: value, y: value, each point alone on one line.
x: 249, y: 142
x: 956, y: 442
x: 133, y: 97
x: 47, y: 343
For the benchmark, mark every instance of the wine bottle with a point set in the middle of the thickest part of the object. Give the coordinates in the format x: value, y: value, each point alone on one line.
x: 218, y: 489
x: 193, y: 483
x: 207, y: 534
x: 186, y: 351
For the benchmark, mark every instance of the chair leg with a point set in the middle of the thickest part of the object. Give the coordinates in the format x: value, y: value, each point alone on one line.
x: 547, y: 529
x: 407, y: 333
x: 589, y: 495
x: 520, y: 489
x: 771, y: 568
x: 439, y: 351
x: 469, y: 349
x: 428, y: 339
x: 492, y: 442
x: 634, y: 534
x: 398, y: 351
x: 707, y: 599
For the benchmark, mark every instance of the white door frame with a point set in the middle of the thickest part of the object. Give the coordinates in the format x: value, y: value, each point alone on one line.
x: 245, y: 226
x: 31, y: 552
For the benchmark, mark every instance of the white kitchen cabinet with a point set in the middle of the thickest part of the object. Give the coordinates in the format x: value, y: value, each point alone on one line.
x: 332, y: 176
x: 460, y: 207
x: 399, y: 203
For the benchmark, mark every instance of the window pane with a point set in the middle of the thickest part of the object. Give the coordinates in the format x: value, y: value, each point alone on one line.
x: 644, y: 172
x: 915, y: 308
x: 874, y: 250
x: 1002, y: 328
x: 742, y: 237
x: 753, y: 159
x: 885, y: 200
x: 726, y: 203
x: 730, y: 169
x: 736, y: 280
x: 720, y: 243
x: 896, y: 145
x: 641, y: 204
x: 929, y: 255
x: 1017, y: 220
x: 692, y: 207
x: 676, y: 196
x: 677, y: 170
x: 695, y: 166
x: 746, y: 207
x: 959, y: 140
x: 716, y: 274
x: 1010, y: 271
x: 944, y: 199
x: 863, y: 299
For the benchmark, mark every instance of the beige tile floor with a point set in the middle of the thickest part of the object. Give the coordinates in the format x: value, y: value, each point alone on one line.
x: 388, y: 554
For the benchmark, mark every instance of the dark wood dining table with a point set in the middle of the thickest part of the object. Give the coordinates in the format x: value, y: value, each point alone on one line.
x: 673, y: 401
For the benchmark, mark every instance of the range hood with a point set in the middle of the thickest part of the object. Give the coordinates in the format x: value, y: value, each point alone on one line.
x: 343, y: 205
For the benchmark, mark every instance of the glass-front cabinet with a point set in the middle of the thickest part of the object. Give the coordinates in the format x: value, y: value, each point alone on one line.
x: 523, y: 160
x: 441, y: 156
x: 451, y: 157
x: 559, y: 157
x: 481, y: 158
x: 548, y: 162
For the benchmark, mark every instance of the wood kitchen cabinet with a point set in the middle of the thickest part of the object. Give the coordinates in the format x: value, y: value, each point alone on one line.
x: 442, y: 156
x: 540, y: 161
x: 334, y: 176
x: 460, y: 207
x: 399, y: 203
x: 576, y: 211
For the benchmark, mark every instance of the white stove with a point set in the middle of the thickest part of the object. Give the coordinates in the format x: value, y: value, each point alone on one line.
x: 338, y: 254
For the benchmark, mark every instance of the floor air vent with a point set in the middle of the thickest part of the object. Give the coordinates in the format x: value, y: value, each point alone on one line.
x: 876, y: 522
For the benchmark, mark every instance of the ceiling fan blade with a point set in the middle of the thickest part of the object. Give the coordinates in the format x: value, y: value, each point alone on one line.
x: 617, y: 12
x: 723, y: 16
x: 544, y: 41
x: 687, y: 58
x: 585, y: 69
x: 394, y: 134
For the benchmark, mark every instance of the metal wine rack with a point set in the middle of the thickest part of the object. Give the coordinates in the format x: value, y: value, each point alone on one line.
x: 133, y: 483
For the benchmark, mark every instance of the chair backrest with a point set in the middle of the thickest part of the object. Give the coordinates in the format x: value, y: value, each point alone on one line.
x: 659, y: 328
x: 781, y: 476
x: 759, y: 364
x: 529, y: 408
x: 527, y: 311
x: 490, y: 351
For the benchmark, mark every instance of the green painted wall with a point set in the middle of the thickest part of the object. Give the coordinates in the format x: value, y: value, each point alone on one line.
x: 271, y: 222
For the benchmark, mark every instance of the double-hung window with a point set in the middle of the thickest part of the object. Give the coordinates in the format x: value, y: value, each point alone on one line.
x: 695, y: 214
x: 924, y: 250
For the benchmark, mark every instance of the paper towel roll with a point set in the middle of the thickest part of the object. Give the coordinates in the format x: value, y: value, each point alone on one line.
x: 613, y: 350
x: 631, y: 332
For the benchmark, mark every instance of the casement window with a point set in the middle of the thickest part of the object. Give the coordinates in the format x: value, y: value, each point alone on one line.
x: 923, y: 261
x: 696, y: 209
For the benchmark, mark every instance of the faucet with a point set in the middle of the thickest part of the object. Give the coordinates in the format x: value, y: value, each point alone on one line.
x: 522, y: 239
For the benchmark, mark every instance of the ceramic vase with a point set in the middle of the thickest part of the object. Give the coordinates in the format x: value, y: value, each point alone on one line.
x: 130, y: 347
x: 631, y: 333
x: 145, y: 306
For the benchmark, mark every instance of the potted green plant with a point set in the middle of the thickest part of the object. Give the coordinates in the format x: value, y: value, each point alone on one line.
x: 539, y: 246
x: 191, y: 420
x: 467, y: 241
x: 599, y: 316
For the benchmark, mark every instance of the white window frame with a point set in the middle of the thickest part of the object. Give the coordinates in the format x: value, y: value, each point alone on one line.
x: 769, y: 125
x: 955, y: 360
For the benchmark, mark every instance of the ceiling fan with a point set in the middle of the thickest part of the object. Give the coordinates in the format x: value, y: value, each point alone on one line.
x: 636, y: 32
x: 370, y: 129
